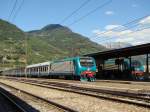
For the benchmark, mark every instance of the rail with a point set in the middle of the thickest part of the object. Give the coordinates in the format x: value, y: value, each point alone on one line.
x: 119, y: 96
x: 62, y: 107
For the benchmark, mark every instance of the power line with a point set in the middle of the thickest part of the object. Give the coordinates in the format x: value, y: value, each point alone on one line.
x: 92, y: 11
x: 18, y: 9
x: 125, y: 25
x: 14, y: 6
x: 125, y: 34
x: 101, y: 6
x: 135, y: 20
x: 75, y: 11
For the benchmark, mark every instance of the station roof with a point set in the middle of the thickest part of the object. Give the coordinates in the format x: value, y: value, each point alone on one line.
x: 123, y: 52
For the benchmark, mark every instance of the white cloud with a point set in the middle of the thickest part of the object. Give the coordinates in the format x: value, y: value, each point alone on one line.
x: 109, y: 13
x: 125, y: 39
x: 110, y: 27
x: 145, y: 20
x: 112, y: 34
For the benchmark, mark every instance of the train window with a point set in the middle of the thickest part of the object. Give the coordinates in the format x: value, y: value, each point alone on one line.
x: 86, y: 61
x: 41, y: 69
x: 36, y: 70
x: 45, y: 68
x: 135, y: 63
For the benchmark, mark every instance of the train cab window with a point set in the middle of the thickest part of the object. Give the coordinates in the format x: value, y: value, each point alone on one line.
x: 86, y: 61
x: 135, y: 63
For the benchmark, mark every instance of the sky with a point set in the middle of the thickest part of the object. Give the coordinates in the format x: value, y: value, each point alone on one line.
x: 93, y: 18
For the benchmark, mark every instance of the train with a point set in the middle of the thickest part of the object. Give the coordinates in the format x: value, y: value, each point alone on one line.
x: 82, y: 68
x: 121, y: 68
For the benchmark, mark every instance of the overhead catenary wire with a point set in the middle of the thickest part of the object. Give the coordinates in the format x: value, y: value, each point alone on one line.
x: 125, y: 29
x: 17, y: 10
x: 125, y: 25
x: 75, y: 11
x: 89, y: 13
x: 13, y: 9
x: 125, y: 34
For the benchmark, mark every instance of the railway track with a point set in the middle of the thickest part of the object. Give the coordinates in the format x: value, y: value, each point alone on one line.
x: 60, y: 108
x: 17, y: 104
x: 125, y: 82
x: 139, y: 99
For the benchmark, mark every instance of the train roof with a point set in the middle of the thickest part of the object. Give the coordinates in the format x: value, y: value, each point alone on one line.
x: 49, y: 62
x: 39, y: 64
x: 71, y: 58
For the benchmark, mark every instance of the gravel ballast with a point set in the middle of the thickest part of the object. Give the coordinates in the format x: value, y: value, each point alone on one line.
x: 78, y: 102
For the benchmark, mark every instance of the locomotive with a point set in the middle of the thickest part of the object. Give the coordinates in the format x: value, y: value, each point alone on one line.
x: 82, y: 68
x: 122, y: 68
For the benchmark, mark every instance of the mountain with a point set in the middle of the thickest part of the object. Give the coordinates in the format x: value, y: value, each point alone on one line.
x: 12, y: 48
x: 59, y: 41
x: 52, y: 42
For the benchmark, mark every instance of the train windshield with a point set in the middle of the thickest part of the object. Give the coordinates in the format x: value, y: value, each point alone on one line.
x: 86, y: 62
x: 136, y: 64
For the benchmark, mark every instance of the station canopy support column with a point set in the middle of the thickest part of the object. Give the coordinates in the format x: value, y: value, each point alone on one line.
x: 147, y: 64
